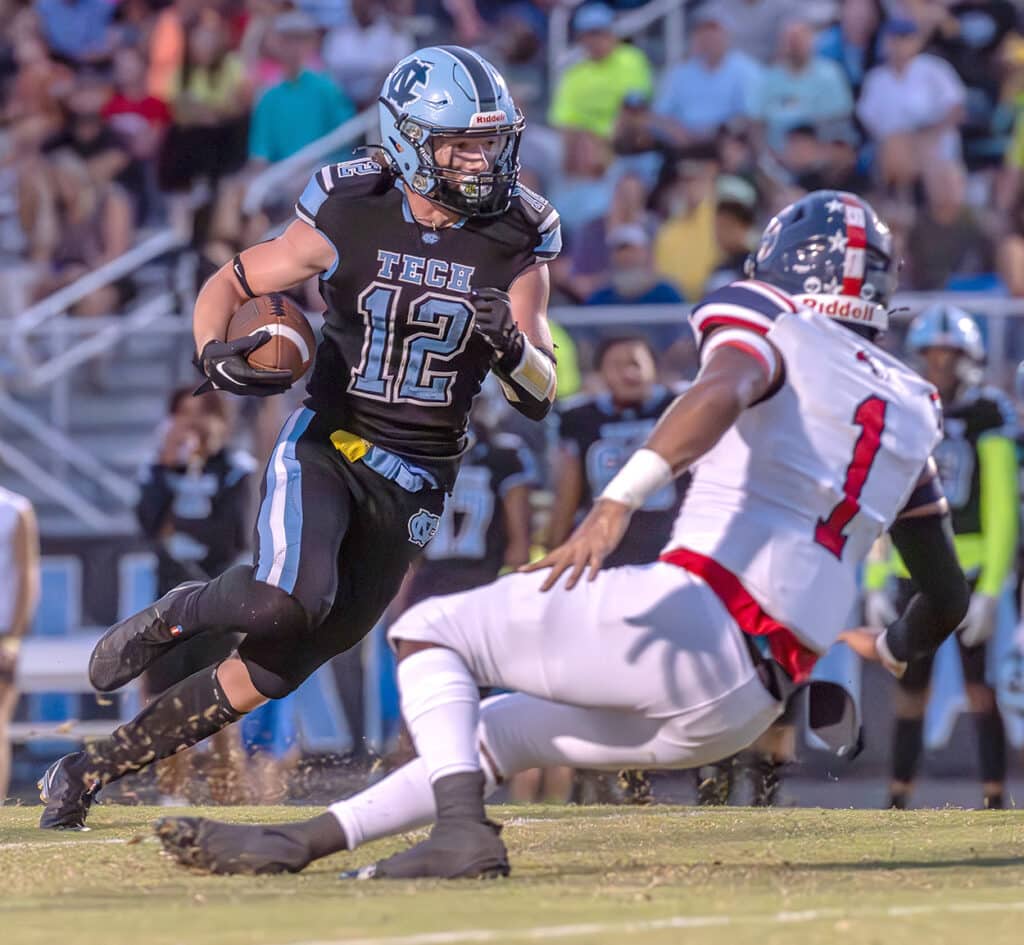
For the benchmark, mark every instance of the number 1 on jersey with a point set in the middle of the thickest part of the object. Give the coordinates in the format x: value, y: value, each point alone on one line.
x: 870, y: 417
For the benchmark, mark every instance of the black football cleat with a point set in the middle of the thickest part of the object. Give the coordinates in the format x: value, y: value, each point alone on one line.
x: 66, y: 793
x: 129, y: 647
x: 455, y: 849
x: 216, y: 847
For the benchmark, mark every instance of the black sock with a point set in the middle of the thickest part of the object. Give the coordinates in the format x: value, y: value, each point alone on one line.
x: 185, y: 714
x: 236, y: 602
x: 460, y: 796
x: 991, y: 745
x: 321, y: 835
x: 906, y: 748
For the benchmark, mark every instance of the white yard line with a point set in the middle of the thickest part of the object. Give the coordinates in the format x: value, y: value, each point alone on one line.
x: 674, y: 922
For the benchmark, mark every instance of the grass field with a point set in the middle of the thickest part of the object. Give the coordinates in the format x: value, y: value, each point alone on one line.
x: 601, y: 875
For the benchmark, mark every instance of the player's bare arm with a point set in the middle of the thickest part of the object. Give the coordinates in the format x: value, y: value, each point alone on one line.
x: 298, y: 254
x: 923, y: 535
x: 730, y: 381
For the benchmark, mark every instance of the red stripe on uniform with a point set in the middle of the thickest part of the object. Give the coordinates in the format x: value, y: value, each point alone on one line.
x: 748, y: 349
x: 716, y: 321
x: 795, y: 658
x: 856, y: 238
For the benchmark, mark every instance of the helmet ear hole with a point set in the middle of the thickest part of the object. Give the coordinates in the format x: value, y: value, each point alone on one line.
x: 749, y: 267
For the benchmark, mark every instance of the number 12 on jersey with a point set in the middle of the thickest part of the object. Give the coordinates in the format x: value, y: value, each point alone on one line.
x: 870, y: 417
x: 441, y: 329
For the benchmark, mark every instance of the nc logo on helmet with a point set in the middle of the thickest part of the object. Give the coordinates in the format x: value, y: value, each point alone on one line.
x: 406, y: 79
x: 423, y: 527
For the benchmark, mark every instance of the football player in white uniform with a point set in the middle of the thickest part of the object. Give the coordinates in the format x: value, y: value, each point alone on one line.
x: 812, y: 442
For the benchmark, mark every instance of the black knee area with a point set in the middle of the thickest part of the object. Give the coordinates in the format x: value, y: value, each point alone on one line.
x: 274, y: 684
x: 906, y: 748
x: 991, y: 745
x: 274, y: 612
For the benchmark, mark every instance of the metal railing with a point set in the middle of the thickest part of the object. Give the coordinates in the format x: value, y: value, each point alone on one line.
x: 45, y: 343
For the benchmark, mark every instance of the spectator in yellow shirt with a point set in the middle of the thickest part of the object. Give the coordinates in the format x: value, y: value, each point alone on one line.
x: 589, y: 94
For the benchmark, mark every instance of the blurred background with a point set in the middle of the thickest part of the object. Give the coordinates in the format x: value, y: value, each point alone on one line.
x: 144, y: 142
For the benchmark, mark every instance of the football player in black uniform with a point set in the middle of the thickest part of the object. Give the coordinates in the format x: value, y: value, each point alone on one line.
x: 433, y: 266
x: 598, y: 434
x: 485, y: 527
x: 978, y: 467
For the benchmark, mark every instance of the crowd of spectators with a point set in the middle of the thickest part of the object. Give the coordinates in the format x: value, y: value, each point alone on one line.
x: 114, y: 111
x: 915, y: 104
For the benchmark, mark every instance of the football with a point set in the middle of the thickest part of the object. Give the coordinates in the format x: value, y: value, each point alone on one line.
x: 292, y: 341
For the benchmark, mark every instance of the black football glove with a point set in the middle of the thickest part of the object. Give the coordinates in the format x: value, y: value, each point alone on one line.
x: 495, y: 324
x: 224, y: 364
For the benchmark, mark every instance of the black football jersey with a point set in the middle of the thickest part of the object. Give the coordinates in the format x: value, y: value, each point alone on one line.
x: 400, y: 363
x: 604, y: 437
x: 981, y: 411
x: 468, y: 548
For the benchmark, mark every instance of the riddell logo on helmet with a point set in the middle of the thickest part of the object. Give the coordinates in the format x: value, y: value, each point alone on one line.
x: 487, y: 118
x: 838, y: 306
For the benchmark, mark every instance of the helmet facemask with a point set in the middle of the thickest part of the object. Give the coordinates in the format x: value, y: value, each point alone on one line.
x: 482, y: 193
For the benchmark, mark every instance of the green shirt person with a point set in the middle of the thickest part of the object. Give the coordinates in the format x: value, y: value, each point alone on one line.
x: 590, y: 92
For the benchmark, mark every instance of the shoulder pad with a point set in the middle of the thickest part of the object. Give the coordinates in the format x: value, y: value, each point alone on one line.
x: 347, y: 179
x: 543, y: 218
x: 747, y: 303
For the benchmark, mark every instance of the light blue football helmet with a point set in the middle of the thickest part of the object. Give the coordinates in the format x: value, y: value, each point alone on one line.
x: 946, y: 326
x: 450, y: 91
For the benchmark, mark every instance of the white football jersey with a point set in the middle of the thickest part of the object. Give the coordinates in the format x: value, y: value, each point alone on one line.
x: 796, y: 492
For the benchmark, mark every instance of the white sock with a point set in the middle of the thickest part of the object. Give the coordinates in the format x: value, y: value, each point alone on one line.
x: 402, y: 801
x: 441, y: 706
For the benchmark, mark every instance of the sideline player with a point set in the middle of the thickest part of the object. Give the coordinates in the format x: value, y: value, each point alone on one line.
x: 811, y: 443
x: 977, y: 462
x: 433, y: 268
x: 19, y: 595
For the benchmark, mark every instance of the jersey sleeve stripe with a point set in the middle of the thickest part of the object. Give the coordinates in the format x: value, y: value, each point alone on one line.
x: 312, y: 198
x: 719, y: 313
x: 745, y: 341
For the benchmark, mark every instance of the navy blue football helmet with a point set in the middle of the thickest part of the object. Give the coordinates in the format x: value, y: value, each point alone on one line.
x: 832, y: 253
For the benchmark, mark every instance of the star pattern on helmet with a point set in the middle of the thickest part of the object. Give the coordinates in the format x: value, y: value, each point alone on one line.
x: 837, y: 242
x: 835, y: 205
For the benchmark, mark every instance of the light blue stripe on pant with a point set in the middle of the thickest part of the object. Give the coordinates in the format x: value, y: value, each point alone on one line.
x: 280, y: 518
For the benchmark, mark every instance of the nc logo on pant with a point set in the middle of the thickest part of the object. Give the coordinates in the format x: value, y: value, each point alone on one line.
x: 423, y: 527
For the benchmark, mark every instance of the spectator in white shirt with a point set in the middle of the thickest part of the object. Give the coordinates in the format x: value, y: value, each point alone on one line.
x: 912, y: 107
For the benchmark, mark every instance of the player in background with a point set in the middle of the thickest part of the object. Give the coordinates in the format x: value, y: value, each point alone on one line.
x: 597, y: 434
x: 807, y: 442
x: 19, y: 594
x: 485, y: 528
x: 596, y: 437
x: 433, y: 265
x: 978, y: 467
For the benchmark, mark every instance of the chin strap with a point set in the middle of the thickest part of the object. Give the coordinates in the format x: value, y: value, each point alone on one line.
x: 530, y: 386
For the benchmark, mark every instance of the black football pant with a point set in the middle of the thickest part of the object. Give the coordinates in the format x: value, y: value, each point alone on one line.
x: 908, y: 733
x: 334, y: 539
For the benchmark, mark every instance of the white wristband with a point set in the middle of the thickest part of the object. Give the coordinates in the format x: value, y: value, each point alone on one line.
x: 895, y: 666
x: 644, y: 474
x: 535, y: 373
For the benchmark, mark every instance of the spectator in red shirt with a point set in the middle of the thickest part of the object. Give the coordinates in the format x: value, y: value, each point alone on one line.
x: 140, y: 119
